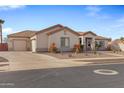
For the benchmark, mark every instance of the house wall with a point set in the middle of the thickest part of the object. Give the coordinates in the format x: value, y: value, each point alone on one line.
x: 56, y: 38
x: 42, y: 42
x: 11, y: 43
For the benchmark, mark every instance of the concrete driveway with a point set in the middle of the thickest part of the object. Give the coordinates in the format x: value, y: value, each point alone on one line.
x: 28, y: 60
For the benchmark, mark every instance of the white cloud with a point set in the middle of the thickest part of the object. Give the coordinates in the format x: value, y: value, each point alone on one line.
x: 94, y: 11
x: 9, y: 7
x: 7, y: 31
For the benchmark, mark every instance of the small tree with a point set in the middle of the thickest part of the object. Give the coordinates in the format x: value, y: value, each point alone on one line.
x: 77, y: 48
x: 1, y: 21
x: 122, y: 38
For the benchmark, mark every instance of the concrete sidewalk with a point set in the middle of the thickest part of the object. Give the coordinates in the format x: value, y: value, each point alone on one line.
x: 92, y: 58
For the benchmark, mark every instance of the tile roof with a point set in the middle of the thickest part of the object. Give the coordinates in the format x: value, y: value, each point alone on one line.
x: 97, y: 37
x: 29, y: 33
x: 84, y: 33
x: 52, y: 28
x: 49, y: 31
x: 26, y: 34
x: 64, y: 28
x: 102, y: 38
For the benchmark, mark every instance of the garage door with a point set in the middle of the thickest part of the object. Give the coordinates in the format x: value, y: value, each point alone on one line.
x: 33, y: 45
x: 19, y: 45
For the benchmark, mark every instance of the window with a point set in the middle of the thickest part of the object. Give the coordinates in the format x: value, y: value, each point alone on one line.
x: 96, y: 43
x: 65, y: 42
x: 102, y: 43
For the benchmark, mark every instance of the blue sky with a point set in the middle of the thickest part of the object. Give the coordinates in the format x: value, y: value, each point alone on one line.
x: 105, y: 20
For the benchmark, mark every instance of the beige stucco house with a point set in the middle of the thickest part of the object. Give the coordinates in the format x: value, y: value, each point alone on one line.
x: 64, y: 37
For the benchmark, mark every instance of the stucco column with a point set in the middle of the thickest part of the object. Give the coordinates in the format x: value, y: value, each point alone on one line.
x: 93, y: 44
x: 84, y: 43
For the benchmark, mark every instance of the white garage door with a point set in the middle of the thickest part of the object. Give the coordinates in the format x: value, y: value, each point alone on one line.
x: 33, y: 42
x: 19, y: 45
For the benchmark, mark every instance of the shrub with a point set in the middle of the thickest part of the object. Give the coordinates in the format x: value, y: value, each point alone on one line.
x: 77, y: 48
x: 53, y: 48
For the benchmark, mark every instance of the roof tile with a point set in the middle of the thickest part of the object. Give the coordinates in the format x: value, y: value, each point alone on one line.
x: 26, y: 33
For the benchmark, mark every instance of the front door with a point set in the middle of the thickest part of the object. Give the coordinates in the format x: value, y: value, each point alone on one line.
x: 88, y: 44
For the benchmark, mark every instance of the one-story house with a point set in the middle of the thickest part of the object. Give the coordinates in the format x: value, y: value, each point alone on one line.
x: 63, y: 37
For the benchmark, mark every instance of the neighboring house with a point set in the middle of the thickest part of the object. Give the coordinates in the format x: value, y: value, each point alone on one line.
x: 89, y: 40
x: 117, y: 45
x: 63, y: 37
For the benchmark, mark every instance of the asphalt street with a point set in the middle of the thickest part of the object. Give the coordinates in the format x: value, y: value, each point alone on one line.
x: 71, y: 77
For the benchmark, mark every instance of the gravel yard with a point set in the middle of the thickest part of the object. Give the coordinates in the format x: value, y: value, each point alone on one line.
x: 68, y: 55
